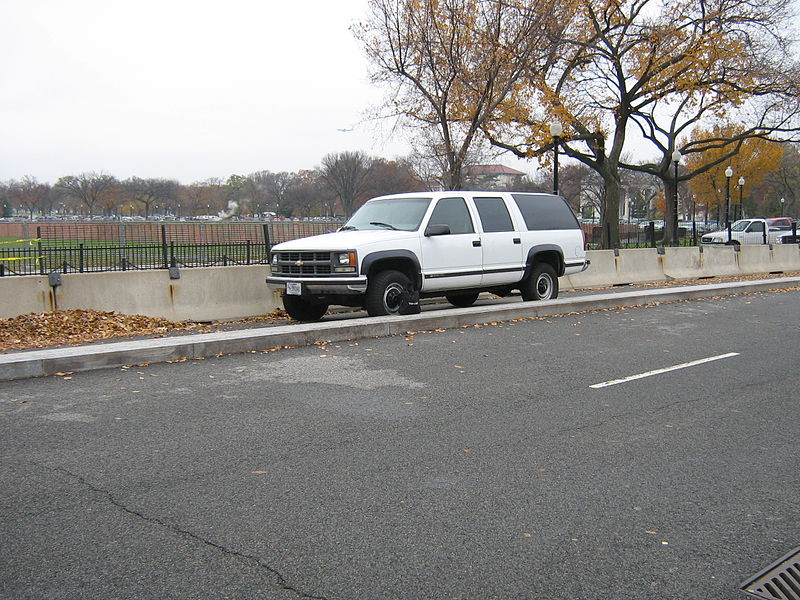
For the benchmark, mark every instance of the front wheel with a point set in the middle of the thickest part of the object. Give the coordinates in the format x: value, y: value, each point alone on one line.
x: 541, y: 284
x: 301, y: 309
x: 385, y: 293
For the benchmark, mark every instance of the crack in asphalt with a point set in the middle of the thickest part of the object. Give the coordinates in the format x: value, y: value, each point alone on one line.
x: 280, y: 579
x: 632, y: 413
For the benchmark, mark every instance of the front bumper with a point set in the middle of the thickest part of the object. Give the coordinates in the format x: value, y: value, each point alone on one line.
x: 318, y: 286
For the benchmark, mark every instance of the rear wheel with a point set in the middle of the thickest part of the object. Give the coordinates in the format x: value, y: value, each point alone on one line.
x: 385, y: 293
x: 541, y: 284
x: 462, y: 300
x: 301, y: 309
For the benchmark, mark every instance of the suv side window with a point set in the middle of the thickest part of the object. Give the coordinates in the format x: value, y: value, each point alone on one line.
x: 543, y: 211
x: 452, y: 212
x: 494, y: 215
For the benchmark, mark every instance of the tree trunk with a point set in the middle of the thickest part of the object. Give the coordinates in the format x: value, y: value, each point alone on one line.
x: 610, y: 222
x: 671, y: 210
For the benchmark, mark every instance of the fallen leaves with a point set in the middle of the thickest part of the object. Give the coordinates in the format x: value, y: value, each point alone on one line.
x: 68, y: 327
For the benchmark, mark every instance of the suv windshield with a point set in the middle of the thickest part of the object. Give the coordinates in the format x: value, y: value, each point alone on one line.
x: 404, y: 214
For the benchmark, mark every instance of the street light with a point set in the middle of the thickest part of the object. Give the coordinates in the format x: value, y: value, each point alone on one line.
x: 783, y: 201
x: 676, y: 158
x: 728, y: 175
x: 556, y: 130
x: 741, y: 206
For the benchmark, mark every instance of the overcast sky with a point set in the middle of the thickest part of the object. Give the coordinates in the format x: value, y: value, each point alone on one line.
x: 183, y: 89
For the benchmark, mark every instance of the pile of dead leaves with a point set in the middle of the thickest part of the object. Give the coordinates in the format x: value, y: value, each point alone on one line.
x: 67, y: 327
x: 64, y: 327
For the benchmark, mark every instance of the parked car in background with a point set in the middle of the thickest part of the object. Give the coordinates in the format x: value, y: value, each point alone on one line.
x: 746, y: 231
x: 780, y: 222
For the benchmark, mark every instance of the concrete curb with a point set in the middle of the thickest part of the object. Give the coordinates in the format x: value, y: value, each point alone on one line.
x: 40, y: 363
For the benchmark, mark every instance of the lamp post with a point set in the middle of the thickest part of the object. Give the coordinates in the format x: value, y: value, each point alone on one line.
x: 741, y: 191
x: 728, y: 175
x: 783, y: 201
x: 676, y: 158
x: 556, y: 130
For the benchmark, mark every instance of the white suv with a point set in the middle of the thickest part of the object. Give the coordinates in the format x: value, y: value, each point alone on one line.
x: 396, y: 249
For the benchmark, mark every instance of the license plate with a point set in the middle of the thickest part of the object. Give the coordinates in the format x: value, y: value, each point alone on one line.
x: 294, y: 288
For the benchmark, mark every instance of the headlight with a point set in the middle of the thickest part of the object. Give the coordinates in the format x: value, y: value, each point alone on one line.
x: 346, y: 259
x: 274, y: 259
x: 345, y: 262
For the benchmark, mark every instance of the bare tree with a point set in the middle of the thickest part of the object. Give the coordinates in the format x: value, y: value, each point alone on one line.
x: 452, y: 64
x: 268, y: 190
x: 151, y: 191
x: 308, y: 194
x: 86, y: 187
x: 30, y: 195
x: 347, y: 174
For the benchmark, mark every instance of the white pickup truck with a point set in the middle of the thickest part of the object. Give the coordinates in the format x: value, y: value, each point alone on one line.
x: 749, y: 231
x: 396, y: 249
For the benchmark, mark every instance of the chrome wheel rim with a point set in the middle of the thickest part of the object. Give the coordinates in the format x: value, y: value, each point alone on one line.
x: 392, y: 297
x: 544, y: 286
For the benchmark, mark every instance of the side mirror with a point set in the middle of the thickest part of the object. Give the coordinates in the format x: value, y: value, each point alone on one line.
x: 437, y: 230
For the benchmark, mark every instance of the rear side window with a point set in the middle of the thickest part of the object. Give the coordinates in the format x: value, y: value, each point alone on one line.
x: 545, y: 211
x: 494, y: 215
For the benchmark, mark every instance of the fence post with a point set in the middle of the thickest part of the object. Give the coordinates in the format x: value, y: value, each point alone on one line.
x: 266, y: 236
x: 765, y: 232
x: 39, y: 250
x: 164, y: 256
x: 80, y: 257
x: 652, y: 227
x: 248, y: 252
x: 172, y: 261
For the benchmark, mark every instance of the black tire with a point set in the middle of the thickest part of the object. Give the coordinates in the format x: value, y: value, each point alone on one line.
x: 385, y: 293
x: 541, y: 284
x: 462, y: 300
x: 301, y: 309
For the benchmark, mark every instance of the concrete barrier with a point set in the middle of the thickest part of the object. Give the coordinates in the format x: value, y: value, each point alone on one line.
x: 602, y: 272
x: 202, y: 294
x: 640, y: 265
x: 220, y: 293
x: 681, y: 263
x: 719, y: 261
x: 785, y: 258
x: 622, y: 267
x: 755, y: 259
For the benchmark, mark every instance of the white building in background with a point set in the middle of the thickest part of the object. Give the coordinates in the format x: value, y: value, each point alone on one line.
x: 493, y: 176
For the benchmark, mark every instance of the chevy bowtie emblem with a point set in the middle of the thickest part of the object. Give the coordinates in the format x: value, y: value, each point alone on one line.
x: 299, y: 263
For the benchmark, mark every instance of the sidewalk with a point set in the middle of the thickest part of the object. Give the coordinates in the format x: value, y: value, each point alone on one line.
x: 352, y: 326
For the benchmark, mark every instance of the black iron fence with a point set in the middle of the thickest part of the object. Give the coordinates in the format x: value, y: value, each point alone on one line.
x: 92, y: 247
x: 648, y: 234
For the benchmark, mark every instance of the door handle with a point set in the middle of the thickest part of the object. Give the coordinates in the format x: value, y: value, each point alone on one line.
x: 476, y: 243
x: 517, y: 241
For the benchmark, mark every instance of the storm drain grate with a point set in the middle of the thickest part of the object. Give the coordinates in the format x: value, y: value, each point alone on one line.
x: 779, y: 581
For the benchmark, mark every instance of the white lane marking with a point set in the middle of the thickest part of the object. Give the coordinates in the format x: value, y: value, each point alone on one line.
x: 694, y: 363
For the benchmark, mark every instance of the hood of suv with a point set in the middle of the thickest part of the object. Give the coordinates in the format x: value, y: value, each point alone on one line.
x: 344, y: 240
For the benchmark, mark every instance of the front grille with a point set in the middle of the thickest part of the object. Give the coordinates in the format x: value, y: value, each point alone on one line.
x: 779, y: 581
x: 306, y: 264
x: 305, y: 256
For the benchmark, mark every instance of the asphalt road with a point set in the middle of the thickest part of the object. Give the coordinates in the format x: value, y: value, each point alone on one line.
x: 468, y: 463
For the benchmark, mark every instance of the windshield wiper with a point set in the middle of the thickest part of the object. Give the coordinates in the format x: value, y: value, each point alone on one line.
x: 348, y: 228
x: 379, y: 224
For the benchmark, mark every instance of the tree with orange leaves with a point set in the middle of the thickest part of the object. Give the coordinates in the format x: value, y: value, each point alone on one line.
x: 754, y: 161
